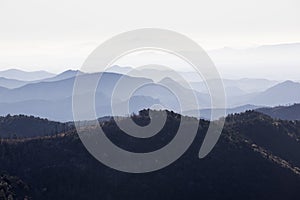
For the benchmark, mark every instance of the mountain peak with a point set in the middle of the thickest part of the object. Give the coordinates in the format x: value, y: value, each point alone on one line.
x: 71, y: 71
x: 286, y: 84
x: 283, y: 93
x: 64, y: 75
x: 289, y: 82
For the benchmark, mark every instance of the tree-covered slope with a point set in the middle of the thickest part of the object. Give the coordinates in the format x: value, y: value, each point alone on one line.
x: 253, y: 159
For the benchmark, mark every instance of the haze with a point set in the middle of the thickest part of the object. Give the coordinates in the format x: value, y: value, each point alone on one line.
x: 59, y: 35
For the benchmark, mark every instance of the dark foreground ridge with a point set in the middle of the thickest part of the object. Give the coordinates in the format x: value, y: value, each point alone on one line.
x: 22, y: 126
x: 255, y: 158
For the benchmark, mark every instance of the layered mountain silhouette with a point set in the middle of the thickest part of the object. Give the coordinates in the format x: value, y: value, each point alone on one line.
x: 282, y: 112
x: 52, y: 97
x: 284, y: 93
x: 24, y: 75
x: 11, y: 83
x: 206, y: 113
x: 64, y: 75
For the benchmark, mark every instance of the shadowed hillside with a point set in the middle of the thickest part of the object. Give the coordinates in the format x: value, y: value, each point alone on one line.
x: 59, y: 167
x: 20, y: 126
x: 13, y: 188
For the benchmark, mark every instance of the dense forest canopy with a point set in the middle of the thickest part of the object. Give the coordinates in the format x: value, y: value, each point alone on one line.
x: 59, y: 167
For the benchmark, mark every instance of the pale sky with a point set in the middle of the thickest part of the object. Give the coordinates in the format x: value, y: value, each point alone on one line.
x: 56, y: 35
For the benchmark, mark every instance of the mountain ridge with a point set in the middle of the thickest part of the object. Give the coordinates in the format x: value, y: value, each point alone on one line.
x: 282, y: 112
x: 60, y: 165
x: 22, y: 75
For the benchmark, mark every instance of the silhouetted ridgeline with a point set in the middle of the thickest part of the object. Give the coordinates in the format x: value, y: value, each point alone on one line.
x: 29, y: 96
x: 20, y: 126
x: 255, y: 158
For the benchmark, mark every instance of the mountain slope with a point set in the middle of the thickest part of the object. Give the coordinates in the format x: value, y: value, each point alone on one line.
x: 61, y: 89
x: 203, y: 99
x: 11, y: 83
x: 64, y: 75
x: 61, y: 110
x: 20, y: 126
x: 3, y: 89
x: 12, y: 187
x: 283, y: 112
x: 53, y: 100
x: 250, y: 166
x: 14, y: 83
x: 284, y: 93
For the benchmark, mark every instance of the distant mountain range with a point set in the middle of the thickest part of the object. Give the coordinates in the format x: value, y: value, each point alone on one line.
x: 206, y: 113
x: 64, y: 75
x: 11, y: 83
x: 51, y: 97
x: 284, y: 93
x: 34, y: 77
x: 25, y: 76
x: 282, y: 112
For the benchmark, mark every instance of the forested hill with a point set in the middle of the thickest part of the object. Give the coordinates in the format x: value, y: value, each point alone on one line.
x: 256, y: 157
x: 20, y: 126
